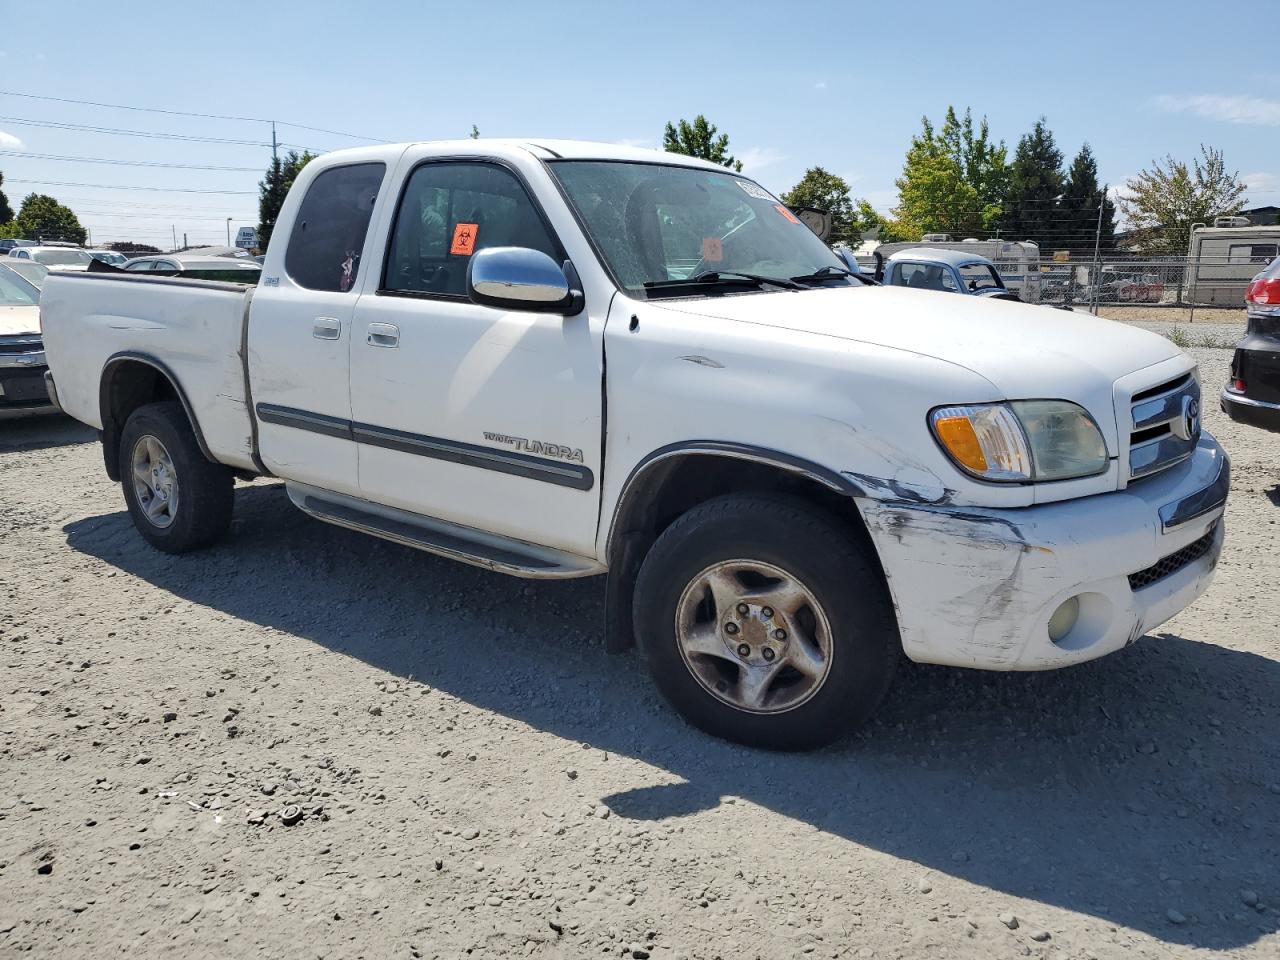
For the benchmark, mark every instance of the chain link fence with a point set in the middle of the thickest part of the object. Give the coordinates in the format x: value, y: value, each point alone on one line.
x: 1132, y: 280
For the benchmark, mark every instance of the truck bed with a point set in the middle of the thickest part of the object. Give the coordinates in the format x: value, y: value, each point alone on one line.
x: 191, y: 329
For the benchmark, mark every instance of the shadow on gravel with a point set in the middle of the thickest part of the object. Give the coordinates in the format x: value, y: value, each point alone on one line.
x: 39, y: 433
x: 1121, y: 789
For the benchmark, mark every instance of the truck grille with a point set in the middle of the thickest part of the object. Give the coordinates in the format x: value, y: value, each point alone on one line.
x: 1171, y: 564
x: 1165, y: 425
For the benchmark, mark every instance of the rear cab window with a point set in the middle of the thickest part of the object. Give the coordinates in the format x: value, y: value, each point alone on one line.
x: 328, y: 235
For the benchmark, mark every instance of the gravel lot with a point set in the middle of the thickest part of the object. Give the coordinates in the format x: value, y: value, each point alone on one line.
x: 306, y: 742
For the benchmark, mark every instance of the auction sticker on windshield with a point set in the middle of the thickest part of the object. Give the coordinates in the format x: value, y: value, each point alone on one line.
x: 755, y: 190
x: 786, y: 213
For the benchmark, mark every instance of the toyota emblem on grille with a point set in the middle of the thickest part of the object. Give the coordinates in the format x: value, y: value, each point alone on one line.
x: 1187, y: 427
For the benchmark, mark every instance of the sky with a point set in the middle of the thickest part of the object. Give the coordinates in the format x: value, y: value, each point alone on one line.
x: 793, y: 85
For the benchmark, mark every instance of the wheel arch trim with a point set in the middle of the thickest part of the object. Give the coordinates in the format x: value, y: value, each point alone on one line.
x: 109, y: 435
x: 725, y: 449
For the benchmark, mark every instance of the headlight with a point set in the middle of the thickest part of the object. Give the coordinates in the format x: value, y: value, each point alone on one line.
x: 1022, y: 441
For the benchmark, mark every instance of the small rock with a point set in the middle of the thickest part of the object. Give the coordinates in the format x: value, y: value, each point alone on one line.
x: 268, y: 789
x: 630, y: 900
x: 602, y: 812
x: 1249, y: 898
x: 557, y: 927
x: 375, y: 711
x: 1040, y: 936
x: 923, y: 886
x: 257, y: 817
x: 494, y: 901
x: 470, y: 834
x: 1008, y: 919
x: 142, y: 758
x: 640, y: 953
x: 44, y: 869
x: 291, y: 815
x: 170, y: 716
x: 439, y: 863
x: 1175, y: 917
x: 571, y: 774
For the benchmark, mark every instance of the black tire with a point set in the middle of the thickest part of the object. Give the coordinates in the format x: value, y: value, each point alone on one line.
x: 826, y: 557
x: 202, y: 514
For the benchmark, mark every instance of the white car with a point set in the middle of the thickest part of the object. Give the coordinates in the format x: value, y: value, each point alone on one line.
x: 109, y: 256
x: 68, y: 259
x: 22, y: 361
x: 558, y: 359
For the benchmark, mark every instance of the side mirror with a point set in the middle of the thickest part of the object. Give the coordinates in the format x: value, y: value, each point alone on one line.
x: 518, y: 278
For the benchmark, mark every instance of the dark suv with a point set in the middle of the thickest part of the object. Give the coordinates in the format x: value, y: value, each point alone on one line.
x: 1252, y: 395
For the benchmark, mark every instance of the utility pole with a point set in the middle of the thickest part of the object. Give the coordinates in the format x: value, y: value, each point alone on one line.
x: 274, y: 158
x: 174, y: 228
x: 1097, y: 246
x: 228, y: 231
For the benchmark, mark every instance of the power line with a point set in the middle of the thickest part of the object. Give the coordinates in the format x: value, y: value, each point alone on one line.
x: 125, y: 163
x: 149, y: 134
x: 186, y: 113
x: 110, y: 186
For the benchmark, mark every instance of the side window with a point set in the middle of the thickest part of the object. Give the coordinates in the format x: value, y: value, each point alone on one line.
x: 447, y: 213
x: 329, y: 232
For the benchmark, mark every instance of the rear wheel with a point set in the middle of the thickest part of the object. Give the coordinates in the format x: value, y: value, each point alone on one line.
x: 764, y: 622
x: 178, y: 499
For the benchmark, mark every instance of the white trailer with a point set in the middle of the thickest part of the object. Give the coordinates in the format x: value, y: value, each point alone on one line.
x: 1223, y: 259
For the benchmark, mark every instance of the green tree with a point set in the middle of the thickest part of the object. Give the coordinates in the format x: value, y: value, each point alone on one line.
x: 933, y: 194
x: 273, y: 188
x: 475, y: 132
x: 983, y: 162
x: 1081, y: 198
x: 1167, y: 199
x: 44, y: 218
x: 698, y: 139
x: 825, y: 191
x: 6, y: 211
x: 1036, y: 182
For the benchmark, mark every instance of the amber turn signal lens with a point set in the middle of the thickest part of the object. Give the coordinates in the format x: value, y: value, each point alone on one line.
x: 958, y: 435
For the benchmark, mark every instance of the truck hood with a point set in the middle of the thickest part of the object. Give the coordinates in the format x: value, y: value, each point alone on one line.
x: 1025, y: 351
x: 16, y: 320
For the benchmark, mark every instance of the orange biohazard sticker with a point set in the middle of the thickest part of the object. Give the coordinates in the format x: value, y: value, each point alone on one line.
x: 464, y: 239
x: 712, y: 249
x: 786, y: 213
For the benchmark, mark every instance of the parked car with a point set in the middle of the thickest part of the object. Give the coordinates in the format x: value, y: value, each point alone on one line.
x: 1252, y: 395
x: 9, y: 243
x: 801, y: 476
x: 54, y: 257
x: 22, y: 359
x: 228, y: 269
x: 951, y: 271
x: 34, y: 273
x: 109, y: 256
x: 1117, y: 287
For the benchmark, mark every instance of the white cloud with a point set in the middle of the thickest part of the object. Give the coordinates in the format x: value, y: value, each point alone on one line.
x: 1261, y: 185
x: 1233, y: 109
x: 820, y: 85
x: 9, y: 142
x: 757, y: 158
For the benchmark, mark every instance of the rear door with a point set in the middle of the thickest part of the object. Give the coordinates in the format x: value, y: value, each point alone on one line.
x: 300, y: 329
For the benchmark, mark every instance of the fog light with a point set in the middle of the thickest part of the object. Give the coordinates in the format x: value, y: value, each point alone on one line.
x: 1064, y: 618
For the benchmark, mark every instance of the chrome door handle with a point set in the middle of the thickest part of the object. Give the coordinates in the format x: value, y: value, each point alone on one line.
x: 326, y: 328
x: 384, y: 335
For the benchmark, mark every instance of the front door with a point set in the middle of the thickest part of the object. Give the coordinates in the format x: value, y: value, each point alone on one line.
x: 300, y: 331
x: 481, y: 416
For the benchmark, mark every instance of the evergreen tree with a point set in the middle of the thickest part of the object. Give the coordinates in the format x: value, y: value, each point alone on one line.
x: 698, y: 139
x: 273, y: 188
x: 6, y: 211
x: 1035, y: 184
x: 1079, y: 208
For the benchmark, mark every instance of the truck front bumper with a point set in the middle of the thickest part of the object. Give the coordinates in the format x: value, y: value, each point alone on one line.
x: 977, y: 588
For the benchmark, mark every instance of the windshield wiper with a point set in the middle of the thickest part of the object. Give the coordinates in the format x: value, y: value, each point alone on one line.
x: 829, y: 273
x: 715, y: 277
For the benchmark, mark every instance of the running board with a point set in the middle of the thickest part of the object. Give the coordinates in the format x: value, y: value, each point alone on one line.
x: 445, y: 539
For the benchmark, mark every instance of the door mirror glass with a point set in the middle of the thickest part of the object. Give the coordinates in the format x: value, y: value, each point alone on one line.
x: 518, y: 278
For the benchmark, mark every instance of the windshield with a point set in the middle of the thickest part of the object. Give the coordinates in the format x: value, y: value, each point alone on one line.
x: 61, y: 258
x: 16, y: 292
x: 116, y: 259
x: 34, y: 273
x: 654, y: 223
x: 981, y: 276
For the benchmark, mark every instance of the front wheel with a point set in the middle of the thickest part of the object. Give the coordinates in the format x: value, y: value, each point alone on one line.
x: 178, y: 499
x: 764, y: 621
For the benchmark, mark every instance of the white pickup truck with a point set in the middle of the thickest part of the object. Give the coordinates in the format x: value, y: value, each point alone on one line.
x: 560, y: 359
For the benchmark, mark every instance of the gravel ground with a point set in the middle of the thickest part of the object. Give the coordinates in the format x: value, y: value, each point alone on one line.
x: 306, y: 742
